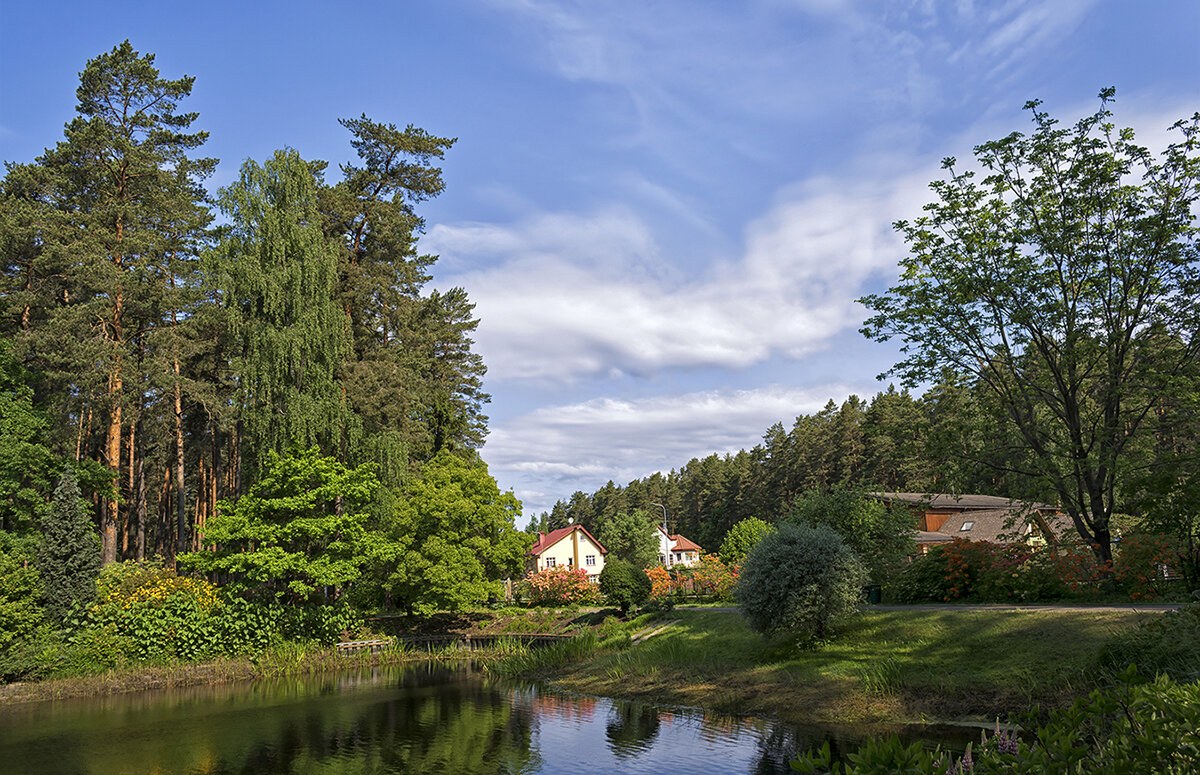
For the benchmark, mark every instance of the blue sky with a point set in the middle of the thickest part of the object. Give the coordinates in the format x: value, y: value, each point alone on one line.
x: 664, y: 211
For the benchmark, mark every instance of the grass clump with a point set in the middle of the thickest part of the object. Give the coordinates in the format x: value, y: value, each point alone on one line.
x: 1167, y: 645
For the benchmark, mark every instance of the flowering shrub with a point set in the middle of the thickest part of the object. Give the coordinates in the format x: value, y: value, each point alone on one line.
x: 1139, y: 565
x: 663, y: 583
x: 560, y: 585
x: 132, y: 583
x: 982, y: 570
x: 710, y: 579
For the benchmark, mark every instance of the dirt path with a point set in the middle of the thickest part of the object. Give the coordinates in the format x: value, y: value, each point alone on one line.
x: 1131, y: 608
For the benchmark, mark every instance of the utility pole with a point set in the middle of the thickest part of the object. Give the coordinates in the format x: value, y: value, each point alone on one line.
x: 667, y: 533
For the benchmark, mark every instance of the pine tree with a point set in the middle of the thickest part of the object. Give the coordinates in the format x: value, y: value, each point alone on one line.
x: 69, y: 554
x: 102, y: 225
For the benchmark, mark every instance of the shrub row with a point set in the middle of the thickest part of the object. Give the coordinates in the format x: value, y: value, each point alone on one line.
x: 981, y: 570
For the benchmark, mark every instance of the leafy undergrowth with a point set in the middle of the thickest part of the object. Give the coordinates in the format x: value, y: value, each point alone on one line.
x: 888, y: 666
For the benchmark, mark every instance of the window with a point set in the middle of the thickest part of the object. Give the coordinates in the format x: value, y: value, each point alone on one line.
x: 549, y: 562
x: 967, y: 526
x: 590, y: 559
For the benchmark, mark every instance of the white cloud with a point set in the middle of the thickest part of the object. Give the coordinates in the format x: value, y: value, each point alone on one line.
x: 560, y: 449
x: 562, y: 297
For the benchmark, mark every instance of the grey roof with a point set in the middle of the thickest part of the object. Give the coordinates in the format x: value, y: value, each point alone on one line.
x: 1003, y: 525
x: 927, y: 537
x: 964, y: 501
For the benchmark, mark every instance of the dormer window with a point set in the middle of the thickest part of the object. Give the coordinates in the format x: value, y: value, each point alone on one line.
x: 967, y: 526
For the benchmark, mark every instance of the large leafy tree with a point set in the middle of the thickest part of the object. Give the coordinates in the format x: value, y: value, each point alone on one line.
x: 1065, y: 282
x: 450, y: 541
x: 298, y: 536
x: 278, y: 274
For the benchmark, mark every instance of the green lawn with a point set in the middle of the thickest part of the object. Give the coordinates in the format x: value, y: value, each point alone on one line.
x: 888, y: 666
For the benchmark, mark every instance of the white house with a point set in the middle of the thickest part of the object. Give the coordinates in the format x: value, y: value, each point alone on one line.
x: 676, y: 550
x: 572, y: 546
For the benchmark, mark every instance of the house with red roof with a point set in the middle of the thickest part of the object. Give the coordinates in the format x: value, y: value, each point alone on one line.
x: 674, y: 549
x: 571, y: 546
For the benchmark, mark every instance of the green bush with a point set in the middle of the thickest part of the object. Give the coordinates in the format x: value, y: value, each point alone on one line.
x: 624, y: 585
x: 20, y: 614
x: 1130, y: 728
x: 803, y: 581
x: 924, y: 579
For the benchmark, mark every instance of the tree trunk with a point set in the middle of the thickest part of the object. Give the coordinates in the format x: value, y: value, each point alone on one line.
x: 140, y: 548
x: 108, y: 528
x: 180, y: 503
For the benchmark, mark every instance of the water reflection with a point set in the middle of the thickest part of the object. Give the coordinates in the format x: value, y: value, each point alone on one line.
x: 415, y: 719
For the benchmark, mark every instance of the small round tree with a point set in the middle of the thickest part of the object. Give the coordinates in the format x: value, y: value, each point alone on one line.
x: 624, y: 585
x: 741, y: 538
x: 800, y: 580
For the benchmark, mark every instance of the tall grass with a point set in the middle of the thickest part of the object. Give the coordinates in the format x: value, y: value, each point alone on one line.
x: 516, y: 658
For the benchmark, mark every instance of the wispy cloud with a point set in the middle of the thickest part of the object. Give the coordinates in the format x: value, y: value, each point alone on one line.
x: 563, y: 297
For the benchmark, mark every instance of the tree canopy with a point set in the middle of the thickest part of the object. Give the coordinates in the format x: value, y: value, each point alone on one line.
x: 1065, y: 283
x: 450, y: 541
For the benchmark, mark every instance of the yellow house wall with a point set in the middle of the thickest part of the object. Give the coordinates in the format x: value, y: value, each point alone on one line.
x: 566, y: 550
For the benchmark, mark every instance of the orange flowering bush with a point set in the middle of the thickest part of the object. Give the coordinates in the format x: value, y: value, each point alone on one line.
x: 561, y: 585
x: 663, y: 583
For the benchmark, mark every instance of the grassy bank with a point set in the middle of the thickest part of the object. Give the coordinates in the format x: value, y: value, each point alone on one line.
x: 299, y: 658
x: 890, y: 666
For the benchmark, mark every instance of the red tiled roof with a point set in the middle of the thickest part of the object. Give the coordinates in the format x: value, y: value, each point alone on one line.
x: 684, y: 544
x: 544, y: 542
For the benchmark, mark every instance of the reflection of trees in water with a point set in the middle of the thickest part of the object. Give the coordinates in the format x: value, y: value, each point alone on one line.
x: 631, y: 729
x: 785, y: 743
x: 433, y: 726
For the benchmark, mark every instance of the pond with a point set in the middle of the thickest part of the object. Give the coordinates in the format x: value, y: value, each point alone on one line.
x: 426, y: 718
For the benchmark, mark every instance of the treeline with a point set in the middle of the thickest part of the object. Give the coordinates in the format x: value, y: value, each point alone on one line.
x: 165, y: 341
x: 951, y: 439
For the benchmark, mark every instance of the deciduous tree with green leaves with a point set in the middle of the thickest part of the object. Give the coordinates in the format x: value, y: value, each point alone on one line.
x: 741, y: 538
x: 451, y: 540
x: 299, y: 535
x: 1065, y: 281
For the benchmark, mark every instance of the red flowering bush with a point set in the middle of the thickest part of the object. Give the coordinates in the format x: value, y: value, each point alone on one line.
x: 1140, y: 563
x: 561, y: 585
x: 981, y: 570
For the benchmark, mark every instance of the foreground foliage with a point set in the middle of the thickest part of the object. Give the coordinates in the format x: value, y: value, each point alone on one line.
x: 1151, y: 728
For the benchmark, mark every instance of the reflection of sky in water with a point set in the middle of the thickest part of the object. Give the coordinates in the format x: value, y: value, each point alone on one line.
x: 590, y: 735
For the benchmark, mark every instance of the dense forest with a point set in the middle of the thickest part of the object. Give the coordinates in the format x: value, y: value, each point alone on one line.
x: 953, y: 438
x: 165, y: 341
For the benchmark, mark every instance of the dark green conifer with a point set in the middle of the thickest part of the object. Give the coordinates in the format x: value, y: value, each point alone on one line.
x: 68, y: 557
